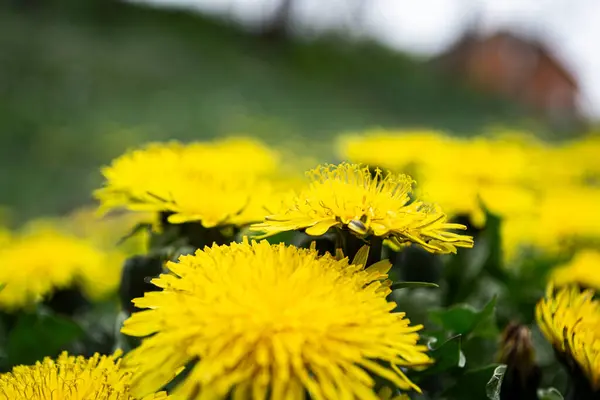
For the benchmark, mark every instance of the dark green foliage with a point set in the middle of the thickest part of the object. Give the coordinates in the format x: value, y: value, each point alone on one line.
x: 37, y: 335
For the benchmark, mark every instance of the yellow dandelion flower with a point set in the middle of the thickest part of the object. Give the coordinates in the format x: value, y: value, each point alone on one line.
x: 581, y: 157
x: 519, y: 236
x: 220, y: 183
x: 70, y: 378
x: 583, y: 269
x: 554, y: 225
x: 276, y: 319
x: 570, y: 321
x: 558, y: 215
x: 350, y: 196
x: 42, y: 259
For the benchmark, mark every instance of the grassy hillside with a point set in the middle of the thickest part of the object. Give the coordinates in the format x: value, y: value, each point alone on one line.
x: 80, y: 82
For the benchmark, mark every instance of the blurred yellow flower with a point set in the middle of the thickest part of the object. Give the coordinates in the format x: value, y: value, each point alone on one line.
x: 570, y: 321
x: 42, y: 259
x: 461, y: 197
x: 571, y: 212
x: 350, y: 196
x: 215, y: 183
x: 565, y: 216
x: 70, y: 378
x: 583, y: 269
x: 502, y: 158
x: 276, y: 319
x: 578, y: 163
x: 396, y: 151
x: 524, y: 235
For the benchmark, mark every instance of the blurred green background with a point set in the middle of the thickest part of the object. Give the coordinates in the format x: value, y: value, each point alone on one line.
x: 80, y: 82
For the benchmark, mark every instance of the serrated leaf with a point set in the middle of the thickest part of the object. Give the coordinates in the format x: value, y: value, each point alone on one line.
x: 412, y: 285
x: 550, y: 394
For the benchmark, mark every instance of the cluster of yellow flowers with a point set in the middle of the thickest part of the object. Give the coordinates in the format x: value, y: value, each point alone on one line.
x: 261, y: 318
x: 254, y: 320
x: 545, y: 193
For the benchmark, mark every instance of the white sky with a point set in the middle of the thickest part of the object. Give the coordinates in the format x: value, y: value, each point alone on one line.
x: 427, y: 27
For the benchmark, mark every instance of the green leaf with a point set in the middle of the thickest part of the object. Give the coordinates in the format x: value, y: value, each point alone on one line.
x: 412, y: 285
x: 485, y: 322
x: 550, y: 394
x: 472, y: 384
x: 464, y: 270
x: 492, y: 237
x: 447, y: 356
x: 458, y: 319
x: 38, y: 335
x: 464, y: 319
x: 283, y: 237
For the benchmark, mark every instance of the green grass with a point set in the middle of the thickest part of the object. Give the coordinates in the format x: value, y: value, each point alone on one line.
x: 80, y: 83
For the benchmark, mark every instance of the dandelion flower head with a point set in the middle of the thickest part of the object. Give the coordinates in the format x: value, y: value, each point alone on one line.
x: 351, y: 196
x: 70, y: 378
x: 570, y: 321
x: 42, y: 259
x: 218, y: 183
x: 276, y: 319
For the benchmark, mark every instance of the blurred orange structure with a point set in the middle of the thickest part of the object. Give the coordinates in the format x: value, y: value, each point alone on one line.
x: 519, y: 68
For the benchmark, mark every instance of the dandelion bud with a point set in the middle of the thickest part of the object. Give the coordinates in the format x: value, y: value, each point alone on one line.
x: 522, y: 376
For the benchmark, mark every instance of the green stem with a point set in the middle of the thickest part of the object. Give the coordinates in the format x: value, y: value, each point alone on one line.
x: 376, y: 247
x: 350, y: 244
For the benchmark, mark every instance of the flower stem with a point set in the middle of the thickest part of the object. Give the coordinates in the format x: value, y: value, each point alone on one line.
x: 376, y: 247
x: 350, y: 244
